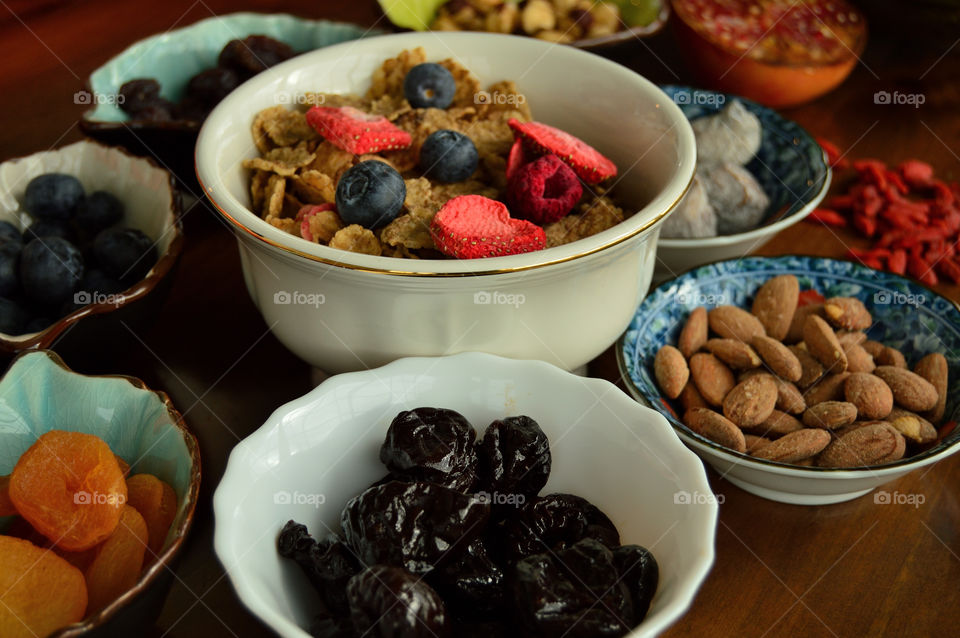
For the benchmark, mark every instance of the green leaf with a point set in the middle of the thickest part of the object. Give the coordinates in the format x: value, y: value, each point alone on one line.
x: 639, y: 13
x: 411, y: 14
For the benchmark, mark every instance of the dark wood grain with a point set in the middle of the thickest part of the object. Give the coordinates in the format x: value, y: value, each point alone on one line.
x: 853, y: 569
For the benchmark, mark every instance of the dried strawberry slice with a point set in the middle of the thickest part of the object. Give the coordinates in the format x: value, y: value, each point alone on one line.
x: 473, y: 226
x: 357, y: 132
x: 589, y: 164
x: 516, y: 158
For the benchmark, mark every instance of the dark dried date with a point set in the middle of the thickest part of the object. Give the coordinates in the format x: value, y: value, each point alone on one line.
x: 390, y: 602
x: 431, y: 444
x: 514, y: 457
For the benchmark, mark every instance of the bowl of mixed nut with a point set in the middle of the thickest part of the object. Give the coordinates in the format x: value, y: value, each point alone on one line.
x: 800, y: 379
x: 392, y: 201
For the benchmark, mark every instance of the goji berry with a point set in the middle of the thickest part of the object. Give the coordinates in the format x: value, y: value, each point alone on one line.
x: 898, y: 261
x: 916, y: 173
x: 827, y: 216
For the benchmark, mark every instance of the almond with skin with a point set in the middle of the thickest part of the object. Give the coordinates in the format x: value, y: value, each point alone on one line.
x: 776, y: 303
x: 671, y: 371
x: 858, y: 359
x: 789, y: 398
x: 795, y: 447
x: 711, y: 376
x: 690, y: 397
x: 830, y: 415
x: 751, y: 401
x: 822, y: 343
x: 847, y: 313
x: 778, y: 358
x: 912, y: 426
x: 851, y: 338
x: 777, y: 424
x: 694, y: 333
x: 731, y: 322
x: 829, y: 388
x: 871, y: 444
x: 910, y: 390
x: 810, y: 368
x: 934, y: 369
x: 890, y: 357
x: 714, y: 426
x: 870, y: 394
x: 754, y: 442
x: 735, y: 353
x: 874, y: 348
x: 795, y: 333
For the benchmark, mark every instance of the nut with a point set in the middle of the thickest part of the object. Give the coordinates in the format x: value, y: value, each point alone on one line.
x: 870, y: 444
x: 778, y: 424
x: 694, y: 333
x: 671, y: 371
x: 754, y: 442
x: 537, y: 15
x: 715, y: 427
x: 731, y: 322
x: 778, y: 358
x: 934, y: 369
x: 751, y: 401
x: 789, y: 398
x: 830, y: 415
x: 870, y: 394
x: 890, y: 357
x: 712, y: 378
x: 795, y: 333
x: 858, y: 359
x: 912, y: 426
x: 776, y: 303
x: 822, y: 343
x: 848, y: 338
x: 734, y: 353
x: 691, y: 398
x: 874, y: 348
x: 910, y: 390
x: 795, y: 446
x: 847, y: 313
x: 810, y: 368
x: 829, y: 388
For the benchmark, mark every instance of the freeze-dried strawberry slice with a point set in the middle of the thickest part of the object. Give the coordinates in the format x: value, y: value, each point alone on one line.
x: 473, y: 226
x: 357, y: 132
x: 516, y: 158
x: 305, y: 216
x: 590, y: 165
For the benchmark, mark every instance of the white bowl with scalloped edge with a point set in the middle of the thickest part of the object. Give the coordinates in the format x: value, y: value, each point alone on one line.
x: 607, y: 448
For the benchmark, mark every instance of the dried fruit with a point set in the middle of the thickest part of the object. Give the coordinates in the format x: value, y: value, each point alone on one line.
x: 355, y: 131
x: 641, y: 573
x: 933, y: 368
x: 119, y: 560
x: 869, y: 394
x: 910, y: 390
x: 431, y: 444
x: 473, y: 226
x: 794, y: 447
x: 39, y: 591
x: 473, y: 584
x: 736, y: 354
x: 822, y: 343
x: 712, y: 378
x: 554, y: 522
x: 778, y: 357
x: 830, y: 415
x: 69, y: 486
x: 544, y: 190
x: 7, y: 508
x: 751, y: 401
x: 671, y: 371
x: 694, y: 333
x: 734, y: 323
x: 514, y: 457
x: 870, y: 444
x: 589, y: 164
x: 156, y: 502
x: 328, y: 564
x: 387, y: 601
x: 776, y: 303
x: 716, y: 427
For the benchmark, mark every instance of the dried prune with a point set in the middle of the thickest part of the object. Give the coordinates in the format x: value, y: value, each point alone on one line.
x: 491, y: 629
x: 514, y: 457
x: 431, y: 444
x: 326, y: 625
x: 328, y: 564
x: 473, y: 584
x: 138, y: 94
x: 576, y: 592
x: 390, y: 602
x: 253, y: 54
x: 555, y: 521
x: 212, y: 85
x: 639, y: 570
x: 417, y: 526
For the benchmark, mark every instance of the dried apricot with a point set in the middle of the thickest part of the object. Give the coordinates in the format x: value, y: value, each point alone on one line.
x: 124, y: 466
x: 39, y: 591
x: 69, y: 486
x: 157, y: 503
x: 118, y: 562
x: 6, y: 505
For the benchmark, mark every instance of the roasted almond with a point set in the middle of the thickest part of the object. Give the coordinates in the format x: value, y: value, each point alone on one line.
x: 870, y: 394
x: 870, y: 444
x: 716, y: 427
x: 690, y: 397
x: 789, y: 398
x: 751, y: 401
x: 810, y: 369
x: 829, y: 388
x: 795, y: 446
x: 671, y: 371
x: 847, y: 313
x: 875, y: 348
x: 711, y: 376
x: 890, y: 357
x: 778, y: 358
x: 858, y: 359
x: 795, y: 333
x: 830, y: 415
x: 912, y: 426
x: 731, y: 322
x: 775, y: 304
x: 910, y: 390
x: 777, y: 424
x: 822, y: 343
x: 934, y: 369
x: 694, y: 333
x: 734, y: 353
x: 754, y: 442
x: 850, y: 338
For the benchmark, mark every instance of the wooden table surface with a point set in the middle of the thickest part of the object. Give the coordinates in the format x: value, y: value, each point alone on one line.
x: 853, y: 569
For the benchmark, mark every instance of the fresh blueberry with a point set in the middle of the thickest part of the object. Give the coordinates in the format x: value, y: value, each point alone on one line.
x: 448, y: 156
x: 13, y: 318
x: 124, y: 253
x: 429, y: 85
x: 48, y: 228
x: 370, y: 194
x: 53, y: 196
x: 99, y: 210
x: 50, y: 270
x: 9, y: 268
x: 95, y: 281
x: 9, y: 233
x: 38, y: 324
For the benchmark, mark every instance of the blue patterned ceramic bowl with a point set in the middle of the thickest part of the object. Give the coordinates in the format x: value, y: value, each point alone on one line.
x: 908, y: 316
x: 40, y: 393
x: 790, y: 167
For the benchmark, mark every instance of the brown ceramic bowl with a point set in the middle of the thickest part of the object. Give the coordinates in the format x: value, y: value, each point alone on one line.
x: 152, y: 205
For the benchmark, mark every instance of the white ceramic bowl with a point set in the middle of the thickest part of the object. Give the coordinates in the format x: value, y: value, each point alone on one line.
x: 344, y: 311
x: 317, y: 452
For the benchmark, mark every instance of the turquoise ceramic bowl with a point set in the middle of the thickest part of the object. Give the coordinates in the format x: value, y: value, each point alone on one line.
x: 40, y: 393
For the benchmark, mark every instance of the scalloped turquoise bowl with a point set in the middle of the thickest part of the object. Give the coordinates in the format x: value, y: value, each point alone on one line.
x: 907, y: 316
x: 39, y: 393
